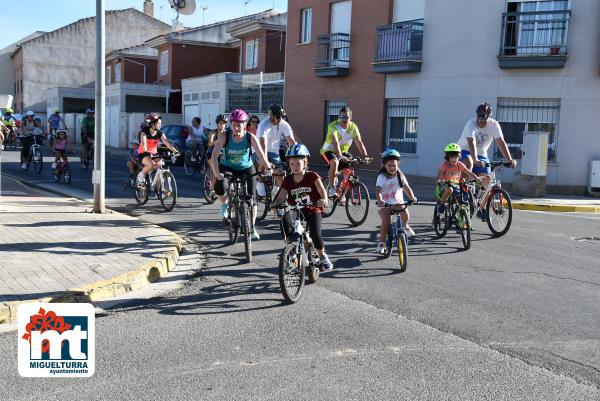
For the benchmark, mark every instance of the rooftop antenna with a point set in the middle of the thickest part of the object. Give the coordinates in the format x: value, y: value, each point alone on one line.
x: 183, y: 7
x: 204, y: 8
x: 246, y: 7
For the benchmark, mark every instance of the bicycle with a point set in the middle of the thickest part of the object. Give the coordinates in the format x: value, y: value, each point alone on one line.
x: 51, y: 137
x: 161, y: 181
x: 457, y: 213
x: 87, y: 157
x: 397, y: 235
x: 298, y: 257
x: 354, y: 191
x: 11, y: 139
x: 264, y: 202
x: 193, y: 162
x: 240, y: 212
x: 35, y: 155
x: 62, y: 169
x: 498, y: 204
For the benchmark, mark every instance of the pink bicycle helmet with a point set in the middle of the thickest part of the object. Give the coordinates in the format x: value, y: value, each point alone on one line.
x: 238, y: 115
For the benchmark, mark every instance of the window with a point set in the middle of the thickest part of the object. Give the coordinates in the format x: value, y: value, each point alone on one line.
x: 306, y: 30
x: 402, y: 125
x: 118, y: 72
x: 537, y: 30
x: 108, y: 72
x: 519, y: 115
x: 164, y: 63
x: 251, y: 54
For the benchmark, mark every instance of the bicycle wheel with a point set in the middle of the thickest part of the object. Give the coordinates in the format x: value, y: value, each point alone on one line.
x: 188, y: 165
x: 291, y: 272
x: 357, y: 204
x: 232, y: 225
x: 209, y: 194
x: 140, y: 192
x: 168, y: 191
x: 464, y: 226
x: 38, y: 160
x: 389, y: 243
x: 439, y: 222
x: 499, y: 211
x: 67, y: 174
x: 313, y: 268
x: 332, y: 202
x: 262, y: 206
x: 402, y: 251
x: 246, y: 218
x: 84, y: 160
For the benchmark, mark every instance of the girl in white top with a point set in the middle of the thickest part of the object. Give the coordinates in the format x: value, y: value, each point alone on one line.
x: 389, y: 187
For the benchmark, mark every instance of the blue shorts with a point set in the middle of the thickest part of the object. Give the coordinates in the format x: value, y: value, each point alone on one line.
x: 274, y: 158
x: 476, y: 169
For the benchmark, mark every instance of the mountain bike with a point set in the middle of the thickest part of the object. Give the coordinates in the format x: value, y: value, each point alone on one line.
x: 497, y: 209
x: 353, y: 191
x: 87, y: 157
x: 457, y: 214
x: 299, y: 256
x: 35, y: 155
x: 240, y: 212
x: 193, y: 162
x: 264, y: 202
x: 161, y: 181
x: 396, y: 234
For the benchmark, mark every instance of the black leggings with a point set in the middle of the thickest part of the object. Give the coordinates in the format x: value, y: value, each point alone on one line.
x: 222, y: 186
x: 313, y: 221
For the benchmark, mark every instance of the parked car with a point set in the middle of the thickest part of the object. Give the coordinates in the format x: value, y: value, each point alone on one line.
x: 177, y: 135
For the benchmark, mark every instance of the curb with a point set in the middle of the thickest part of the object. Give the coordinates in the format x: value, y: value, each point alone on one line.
x: 556, y: 208
x: 104, y: 289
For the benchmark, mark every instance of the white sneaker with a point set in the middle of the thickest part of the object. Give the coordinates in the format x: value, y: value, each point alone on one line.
x: 260, y: 189
x: 326, y: 264
x: 380, y: 248
x: 332, y: 192
x: 141, y: 180
x: 409, y: 231
x: 24, y: 166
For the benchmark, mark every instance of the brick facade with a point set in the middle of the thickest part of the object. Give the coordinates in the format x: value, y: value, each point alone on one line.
x: 364, y: 90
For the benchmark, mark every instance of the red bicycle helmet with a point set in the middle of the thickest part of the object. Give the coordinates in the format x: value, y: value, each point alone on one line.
x: 153, y: 117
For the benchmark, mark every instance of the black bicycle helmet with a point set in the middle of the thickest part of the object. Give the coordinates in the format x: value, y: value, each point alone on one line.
x: 276, y: 111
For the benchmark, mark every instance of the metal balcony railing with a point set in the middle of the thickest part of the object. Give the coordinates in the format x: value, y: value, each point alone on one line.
x: 333, y: 50
x: 402, y: 41
x: 536, y: 33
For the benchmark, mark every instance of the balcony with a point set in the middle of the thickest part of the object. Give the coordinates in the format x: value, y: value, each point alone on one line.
x: 333, y: 55
x: 399, y: 48
x: 534, y: 39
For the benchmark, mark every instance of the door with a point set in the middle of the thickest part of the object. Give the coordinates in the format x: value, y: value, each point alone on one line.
x: 189, y: 112
x: 208, y: 114
x: 339, y: 50
x: 113, y: 114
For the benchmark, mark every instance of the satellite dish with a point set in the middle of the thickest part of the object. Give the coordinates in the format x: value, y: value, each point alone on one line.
x: 184, y: 7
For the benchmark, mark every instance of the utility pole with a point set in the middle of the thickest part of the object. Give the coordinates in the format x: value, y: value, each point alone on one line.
x: 98, y: 175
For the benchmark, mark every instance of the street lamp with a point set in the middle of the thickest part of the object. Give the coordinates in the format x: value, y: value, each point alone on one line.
x: 246, y: 7
x: 98, y: 172
x: 203, y: 12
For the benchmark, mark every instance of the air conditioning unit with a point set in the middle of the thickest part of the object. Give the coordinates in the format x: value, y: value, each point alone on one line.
x: 594, y: 180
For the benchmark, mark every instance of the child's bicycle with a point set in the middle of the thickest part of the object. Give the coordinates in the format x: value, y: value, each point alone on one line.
x: 396, y: 234
x: 457, y: 214
x: 62, y: 169
x: 161, y: 181
x: 298, y: 257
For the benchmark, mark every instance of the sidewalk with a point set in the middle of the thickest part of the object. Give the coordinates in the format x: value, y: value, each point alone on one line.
x: 53, y: 249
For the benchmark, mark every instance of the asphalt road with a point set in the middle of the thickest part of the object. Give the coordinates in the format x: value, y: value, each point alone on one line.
x: 512, y: 318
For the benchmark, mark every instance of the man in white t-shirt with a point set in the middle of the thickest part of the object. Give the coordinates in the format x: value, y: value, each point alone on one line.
x: 270, y: 133
x: 476, y: 139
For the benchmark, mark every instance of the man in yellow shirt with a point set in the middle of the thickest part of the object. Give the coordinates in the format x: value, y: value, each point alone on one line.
x: 341, y: 133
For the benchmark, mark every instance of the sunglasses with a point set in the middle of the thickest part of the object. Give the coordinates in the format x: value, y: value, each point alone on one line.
x: 344, y: 118
x: 254, y: 121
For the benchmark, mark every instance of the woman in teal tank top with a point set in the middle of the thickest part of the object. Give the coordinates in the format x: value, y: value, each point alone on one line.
x: 236, y: 145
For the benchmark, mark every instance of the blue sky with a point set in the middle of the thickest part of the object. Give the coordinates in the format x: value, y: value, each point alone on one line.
x: 48, y: 15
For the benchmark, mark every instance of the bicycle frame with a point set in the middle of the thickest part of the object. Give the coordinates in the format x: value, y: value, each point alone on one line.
x: 493, y: 182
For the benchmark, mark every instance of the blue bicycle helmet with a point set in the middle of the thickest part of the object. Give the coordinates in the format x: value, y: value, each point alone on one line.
x: 390, y: 154
x: 297, y: 150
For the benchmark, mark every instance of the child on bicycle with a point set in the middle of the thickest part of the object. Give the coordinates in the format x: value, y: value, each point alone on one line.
x: 60, y: 147
x: 449, y: 175
x: 389, y: 188
x: 133, y: 164
x: 304, y: 187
